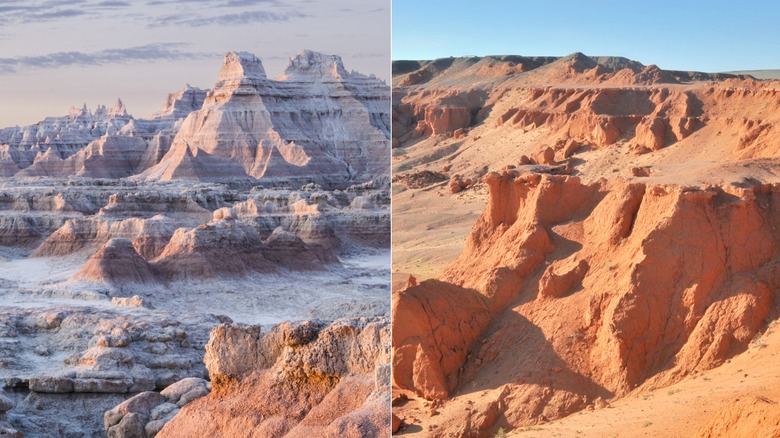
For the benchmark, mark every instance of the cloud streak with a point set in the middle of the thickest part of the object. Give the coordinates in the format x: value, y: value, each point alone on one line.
x: 227, y: 19
x: 206, y: 12
x: 149, y: 52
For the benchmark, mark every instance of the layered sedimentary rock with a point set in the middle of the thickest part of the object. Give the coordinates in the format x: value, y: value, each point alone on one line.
x: 180, y: 104
x: 148, y: 236
x: 629, y: 240
x: 328, y: 380
x: 116, y: 262
x: 104, y: 143
x: 220, y: 248
x: 540, y: 256
x: 94, y: 356
x: 317, y: 121
x: 110, y: 156
x: 578, y: 103
x: 262, y: 200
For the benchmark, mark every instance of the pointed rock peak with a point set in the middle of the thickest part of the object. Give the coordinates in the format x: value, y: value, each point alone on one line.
x: 240, y: 65
x: 128, y: 129
x: 578, y: 62
x: 75, y: 113
x: 118, y: 109
x: 101, y: 111
x: 314, y: 64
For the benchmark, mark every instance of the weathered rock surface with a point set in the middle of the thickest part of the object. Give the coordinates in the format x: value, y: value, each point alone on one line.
x: 540, y: 252
x: 116, y: 262
x: 329, y: 380
x: 145, y: 414
x: 263, y: 200
x: 442, y: 322
x: 316, y: 121
x: 84, y: 358
x: 612, y: 256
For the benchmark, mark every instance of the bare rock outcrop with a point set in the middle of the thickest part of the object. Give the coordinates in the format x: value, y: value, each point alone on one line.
x: 6, y: 430
x: 217, y: 249
x: 180, y: 104
x: 116, y: 262
x: 248, y: 126
x: 56, y: 355
x: 243, y: 129
x: 330, y: 380
x: 145, y: 414
x: 441, y: 324
x: 286, y: 249
x: 683, y: 299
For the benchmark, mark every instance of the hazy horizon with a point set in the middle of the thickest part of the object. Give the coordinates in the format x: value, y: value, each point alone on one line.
x: 92, y: 52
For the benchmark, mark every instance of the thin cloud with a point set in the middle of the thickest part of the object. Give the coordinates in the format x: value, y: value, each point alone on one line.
x: 208, y: 11
x: 149, y: 52
x: 245, y: 3
x: 64, y: 13
x: 228, y: 19
x: 16, y: 8
x: 112, y: 4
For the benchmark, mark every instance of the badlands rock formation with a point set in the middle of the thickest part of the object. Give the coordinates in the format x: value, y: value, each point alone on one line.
x: 316, y: 122
x: 124, y: 241
x: 629, y: 241
x: 329, y: 380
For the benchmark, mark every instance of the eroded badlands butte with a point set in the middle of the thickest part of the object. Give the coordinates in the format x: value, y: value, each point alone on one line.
x: 582, y: 232
x: 133, y: 248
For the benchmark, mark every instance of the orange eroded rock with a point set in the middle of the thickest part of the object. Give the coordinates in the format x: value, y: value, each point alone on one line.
x: 297, y: 380
x: 437, y: 325
x: 591, y: 290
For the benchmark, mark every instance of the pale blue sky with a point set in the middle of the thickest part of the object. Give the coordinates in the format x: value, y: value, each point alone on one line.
x: 56, y: 54
x: 681, y: 35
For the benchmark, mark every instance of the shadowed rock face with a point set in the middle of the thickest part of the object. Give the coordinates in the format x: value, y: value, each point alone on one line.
x: 116, y: 262
x: 680, y: 299
x: 629, y: 240
x: 260, y: 200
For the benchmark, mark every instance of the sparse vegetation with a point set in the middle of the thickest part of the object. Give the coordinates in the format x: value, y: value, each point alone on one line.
x: 501, y: 433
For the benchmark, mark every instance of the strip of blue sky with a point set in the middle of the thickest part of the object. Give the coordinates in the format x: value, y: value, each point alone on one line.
x: 686, y: 35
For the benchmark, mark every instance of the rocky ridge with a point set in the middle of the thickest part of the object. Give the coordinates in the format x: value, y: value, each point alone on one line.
x: 332, y: 380
x: 316, y: 122
x: 628, y: 242
x: 120, y: 238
